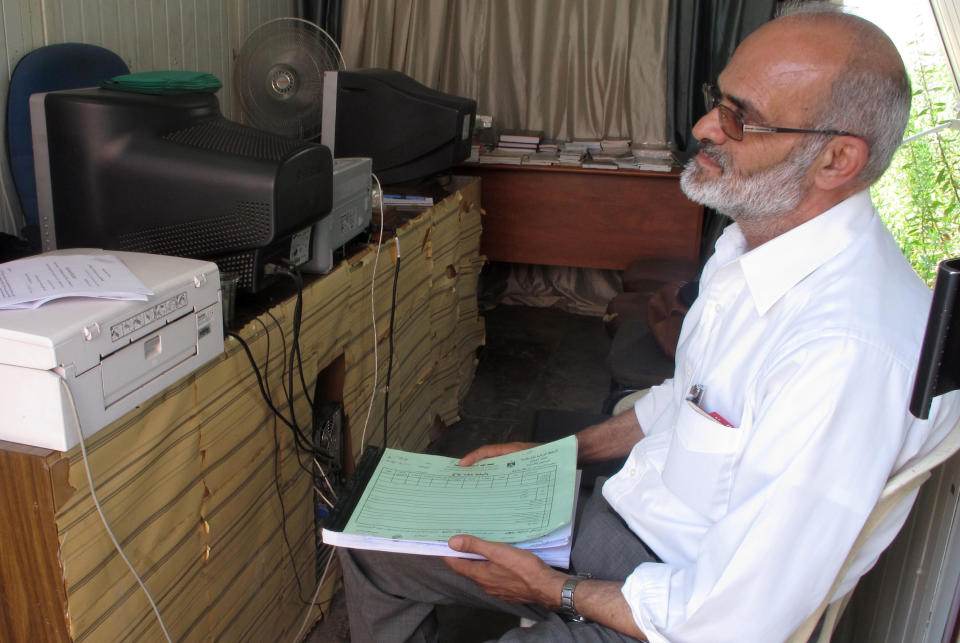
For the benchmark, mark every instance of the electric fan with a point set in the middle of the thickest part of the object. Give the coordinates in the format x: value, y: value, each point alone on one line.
x: 279, y: 76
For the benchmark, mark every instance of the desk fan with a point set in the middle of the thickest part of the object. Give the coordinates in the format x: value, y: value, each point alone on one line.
x: 279, y: 76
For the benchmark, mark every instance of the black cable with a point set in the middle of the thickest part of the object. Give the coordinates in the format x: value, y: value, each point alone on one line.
x: 283, y: 513
x: 299, y: 439
x: 393, y: 310
x: 276, y: 457
x: 266, y: 365
x: 283, y: 340
x: 312, y: 449
x: 295, y: 355
x: 283, y: 353
x: 264, y: 387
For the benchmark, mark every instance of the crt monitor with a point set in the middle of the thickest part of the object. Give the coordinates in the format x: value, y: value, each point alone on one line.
x: 411, y: 132
x: 168, y: 174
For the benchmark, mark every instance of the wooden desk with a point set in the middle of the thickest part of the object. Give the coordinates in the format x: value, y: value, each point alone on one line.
x: 189, y: 481
x: 567, y: 216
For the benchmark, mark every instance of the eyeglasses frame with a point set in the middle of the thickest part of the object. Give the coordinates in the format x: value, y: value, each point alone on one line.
x: 712, y: 96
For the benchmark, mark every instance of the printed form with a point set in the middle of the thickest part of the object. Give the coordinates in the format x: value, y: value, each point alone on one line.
x: 511, y: 498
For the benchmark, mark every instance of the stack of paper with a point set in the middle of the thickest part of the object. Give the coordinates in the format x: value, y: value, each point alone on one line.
x: 653, y: 158
x: 413, y: 503
x: 33, y: 281
x: 503, y: 155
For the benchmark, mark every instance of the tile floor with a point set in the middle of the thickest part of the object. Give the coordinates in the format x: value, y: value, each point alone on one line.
x: 533, y: 358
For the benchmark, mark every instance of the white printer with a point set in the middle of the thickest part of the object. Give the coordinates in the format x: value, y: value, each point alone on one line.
x: 111, y: 355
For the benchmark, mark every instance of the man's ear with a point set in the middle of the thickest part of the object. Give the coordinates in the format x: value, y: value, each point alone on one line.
x: 840, y: 162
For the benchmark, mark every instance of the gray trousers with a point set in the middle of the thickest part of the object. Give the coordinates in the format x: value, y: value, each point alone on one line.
x: 391, y: 597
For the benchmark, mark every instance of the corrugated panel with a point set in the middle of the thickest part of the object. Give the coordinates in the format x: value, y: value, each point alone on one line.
x: 908, y: 597
x: 199, y: 35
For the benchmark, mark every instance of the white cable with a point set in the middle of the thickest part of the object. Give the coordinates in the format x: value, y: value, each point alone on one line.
x: 325, y: 479
x: 313, y: 601
x: 373, y: 312
x: 322, y: 497
x: 954, y: 123
x: 103, y: 518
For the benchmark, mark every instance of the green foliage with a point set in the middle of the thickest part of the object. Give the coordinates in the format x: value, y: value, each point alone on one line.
x: 919, y: 196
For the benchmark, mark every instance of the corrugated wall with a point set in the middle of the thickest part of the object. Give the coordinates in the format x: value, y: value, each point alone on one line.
x: 196, y: 35
x: 911, y: 594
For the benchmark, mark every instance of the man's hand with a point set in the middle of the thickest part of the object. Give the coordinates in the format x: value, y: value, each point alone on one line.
x: 509, y: 573
x: 492, y: 450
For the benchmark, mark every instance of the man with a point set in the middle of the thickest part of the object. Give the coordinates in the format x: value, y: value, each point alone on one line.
x: 803, y: 343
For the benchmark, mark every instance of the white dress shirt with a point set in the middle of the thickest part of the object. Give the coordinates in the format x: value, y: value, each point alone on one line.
x: 807, y: 346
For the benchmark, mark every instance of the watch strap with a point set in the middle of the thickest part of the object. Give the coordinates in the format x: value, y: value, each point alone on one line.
x: 567, y: 605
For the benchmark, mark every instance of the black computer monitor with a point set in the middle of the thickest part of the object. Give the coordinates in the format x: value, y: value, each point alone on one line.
x: 168, y: 174
x: 411, y: 132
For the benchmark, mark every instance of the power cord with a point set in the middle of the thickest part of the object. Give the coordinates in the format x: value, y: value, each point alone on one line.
x: 103, y: 517
x: 373, y: 314
x: 393, y: 310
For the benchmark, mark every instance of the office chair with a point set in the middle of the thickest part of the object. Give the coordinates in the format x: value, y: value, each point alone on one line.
x: 898, y: 487
x: 52, y: 67
x: 938, y: 372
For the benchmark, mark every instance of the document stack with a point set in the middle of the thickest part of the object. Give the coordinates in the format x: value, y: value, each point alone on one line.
x: 414, y: 503
x: 653, y: 158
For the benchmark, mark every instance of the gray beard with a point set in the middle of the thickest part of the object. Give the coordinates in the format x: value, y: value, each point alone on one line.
x: 770, y: 192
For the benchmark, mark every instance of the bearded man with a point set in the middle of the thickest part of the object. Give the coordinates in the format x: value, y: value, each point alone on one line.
x: 751, y: 472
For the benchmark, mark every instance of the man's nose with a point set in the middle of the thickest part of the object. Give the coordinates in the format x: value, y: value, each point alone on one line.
x: 708, y: 128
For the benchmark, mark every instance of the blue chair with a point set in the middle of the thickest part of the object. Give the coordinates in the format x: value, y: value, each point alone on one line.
x: 49, y: 68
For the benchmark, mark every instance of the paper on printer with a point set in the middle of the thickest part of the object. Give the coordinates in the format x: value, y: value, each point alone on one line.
x: 108, y: 356
x: 33, y: 281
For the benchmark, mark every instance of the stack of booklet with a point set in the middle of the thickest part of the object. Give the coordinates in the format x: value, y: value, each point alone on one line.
x: 413, y: 503
x: 33, y: 281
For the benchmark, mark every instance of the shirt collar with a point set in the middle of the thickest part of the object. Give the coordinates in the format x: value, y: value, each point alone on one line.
x: 778, y: 265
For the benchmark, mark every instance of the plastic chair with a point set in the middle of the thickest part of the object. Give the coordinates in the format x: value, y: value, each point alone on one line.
x: 898, y: 487
x: 53, y: 67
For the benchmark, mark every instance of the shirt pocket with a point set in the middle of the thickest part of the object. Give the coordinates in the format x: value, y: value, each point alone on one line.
x: 700, y: 462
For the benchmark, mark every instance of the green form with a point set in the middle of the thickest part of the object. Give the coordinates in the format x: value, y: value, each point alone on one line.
x: 509, y: 498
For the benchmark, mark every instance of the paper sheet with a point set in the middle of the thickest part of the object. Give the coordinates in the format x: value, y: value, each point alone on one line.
x: 33, y: 281
x: 511, y: 498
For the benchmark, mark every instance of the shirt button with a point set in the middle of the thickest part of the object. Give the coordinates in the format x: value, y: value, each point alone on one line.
x: 632, y: 471
x: 717, y: 307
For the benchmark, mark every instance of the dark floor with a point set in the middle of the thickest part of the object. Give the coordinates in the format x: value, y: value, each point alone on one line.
x: 533, y: 358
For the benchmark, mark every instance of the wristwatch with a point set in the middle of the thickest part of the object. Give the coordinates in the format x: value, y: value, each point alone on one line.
x: 567, y: 607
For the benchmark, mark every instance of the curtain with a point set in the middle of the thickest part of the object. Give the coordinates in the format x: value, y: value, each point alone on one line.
x: 702, y: 37
x: 947, y: 15
x: 568, y: 68
x: 326, y: 14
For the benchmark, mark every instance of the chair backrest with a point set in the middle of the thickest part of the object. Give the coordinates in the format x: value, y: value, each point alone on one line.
x: 899, y: 486
x: 53, y: 67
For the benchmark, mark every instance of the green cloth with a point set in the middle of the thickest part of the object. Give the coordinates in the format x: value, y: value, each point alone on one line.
x: 164, y: 82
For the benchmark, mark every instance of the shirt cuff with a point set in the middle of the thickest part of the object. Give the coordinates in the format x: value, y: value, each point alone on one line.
x: 647, y: 592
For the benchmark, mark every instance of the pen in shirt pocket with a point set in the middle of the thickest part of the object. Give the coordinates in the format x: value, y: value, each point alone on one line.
x: 694, y: 397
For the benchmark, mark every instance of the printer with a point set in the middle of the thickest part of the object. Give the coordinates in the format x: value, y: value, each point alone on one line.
x: 88, y: 360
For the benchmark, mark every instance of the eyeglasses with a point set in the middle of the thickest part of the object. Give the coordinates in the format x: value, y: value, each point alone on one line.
x: 733, y: 126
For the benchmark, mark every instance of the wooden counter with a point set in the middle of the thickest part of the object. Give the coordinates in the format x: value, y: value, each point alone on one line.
x: 570, y: 216
x: 191, y: 481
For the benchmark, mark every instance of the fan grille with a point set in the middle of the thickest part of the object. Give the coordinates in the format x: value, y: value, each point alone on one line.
x: 279, y: 76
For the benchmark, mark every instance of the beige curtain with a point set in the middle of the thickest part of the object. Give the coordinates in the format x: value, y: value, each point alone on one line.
x: 570, y: 68
x: 947, y: 15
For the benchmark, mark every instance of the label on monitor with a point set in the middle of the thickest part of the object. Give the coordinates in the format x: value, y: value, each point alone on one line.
x: 300, y: 247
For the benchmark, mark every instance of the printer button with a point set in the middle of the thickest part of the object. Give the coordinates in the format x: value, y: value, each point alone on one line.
x: 91, y: 332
